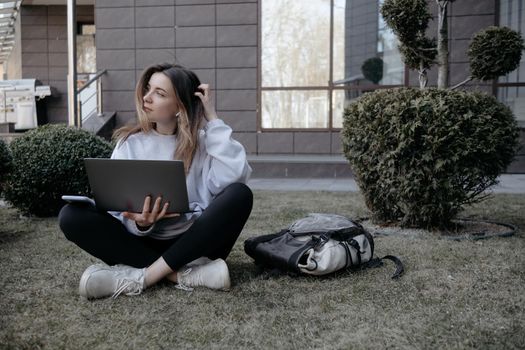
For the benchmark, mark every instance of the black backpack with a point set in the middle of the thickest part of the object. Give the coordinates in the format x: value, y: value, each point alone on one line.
x: 318, y: 244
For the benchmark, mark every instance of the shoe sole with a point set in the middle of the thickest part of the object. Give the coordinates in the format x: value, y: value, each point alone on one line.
x: 228, y: 284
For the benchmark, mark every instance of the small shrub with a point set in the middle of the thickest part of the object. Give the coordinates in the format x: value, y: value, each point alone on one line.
x: 420, y: 155
x: 5, y: 162
x: 407, y: 18
x: 372, y: 69
x: 495, y: 51
x: 47, y: 163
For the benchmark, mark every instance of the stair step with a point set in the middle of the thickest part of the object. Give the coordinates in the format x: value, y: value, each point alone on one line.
x: 7, y: 127
x: 101, y: 125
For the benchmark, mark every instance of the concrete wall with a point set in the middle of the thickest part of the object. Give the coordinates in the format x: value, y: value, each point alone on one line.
x: 216, y: 39
x: 518, y: 166
x: 44, y: 51
x: 13, y: 64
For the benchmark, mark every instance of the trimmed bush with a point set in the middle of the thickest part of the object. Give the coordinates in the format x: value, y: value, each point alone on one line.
x: 47, y: 163
x: 420, y: 155
x: 372, y: 69
x: 495, y: 51
x: 5, y: 162
x: 407, y: 18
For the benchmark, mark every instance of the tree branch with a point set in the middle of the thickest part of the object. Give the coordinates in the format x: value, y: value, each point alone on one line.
x: 427, y: 48
x: 469, y: 79
x: 442, y: 3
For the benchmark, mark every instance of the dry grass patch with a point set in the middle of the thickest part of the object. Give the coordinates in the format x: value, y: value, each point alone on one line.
x: 465, y: 294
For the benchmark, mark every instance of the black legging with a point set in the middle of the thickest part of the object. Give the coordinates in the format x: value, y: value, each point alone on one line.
x: 213, y: 234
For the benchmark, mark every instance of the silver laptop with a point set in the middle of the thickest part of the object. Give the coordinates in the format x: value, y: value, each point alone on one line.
x: 123, y: 184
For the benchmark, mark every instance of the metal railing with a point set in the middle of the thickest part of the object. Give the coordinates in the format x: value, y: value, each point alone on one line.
x: 89, y: 98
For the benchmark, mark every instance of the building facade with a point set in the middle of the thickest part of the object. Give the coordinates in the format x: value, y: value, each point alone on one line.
x: 43, y: 31
x: 283, y: 70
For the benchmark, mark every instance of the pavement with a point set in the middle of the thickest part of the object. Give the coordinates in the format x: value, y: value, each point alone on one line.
x: 508, y: 183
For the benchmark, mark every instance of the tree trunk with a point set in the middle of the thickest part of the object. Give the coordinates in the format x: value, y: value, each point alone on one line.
x: 442, y: 44
x: 423, y: 79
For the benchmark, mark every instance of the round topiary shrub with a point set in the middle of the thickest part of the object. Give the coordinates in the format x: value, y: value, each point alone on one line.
x: 372, y: 69
x: 420, y: 155
x: 5, y: 162
x: 47, y: 163
x: 494, y: 51
x: 407, y: 18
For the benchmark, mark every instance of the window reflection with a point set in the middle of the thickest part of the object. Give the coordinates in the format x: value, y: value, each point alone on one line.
x: 365, y: 50
x: 295, y: 43
x: 340, y: 100
x: 514, y: 97
x: 512, y: 15
x: 295, y: 53
x: 295, y: 109
x: 339, y: 103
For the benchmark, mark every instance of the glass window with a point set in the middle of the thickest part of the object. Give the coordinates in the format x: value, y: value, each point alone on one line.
x: 295, y: 42
x: 340, y: 100
x: 86, y: 49
x: 365, y: 50
x: 514, y: 97
x: 322, y: 54
x: 511, y: 88
x: 295, y: 109
x: 512, y: 15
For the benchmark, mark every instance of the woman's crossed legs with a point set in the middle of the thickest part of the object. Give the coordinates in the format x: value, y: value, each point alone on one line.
x: 212, y: 235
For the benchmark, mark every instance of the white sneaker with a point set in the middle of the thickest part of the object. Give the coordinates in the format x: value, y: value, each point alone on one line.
x: 214, y: 275
x: 99, y: 281
x: 203, y: 260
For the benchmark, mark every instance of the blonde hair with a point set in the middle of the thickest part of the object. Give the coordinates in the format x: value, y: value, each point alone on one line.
x: 185, y: 83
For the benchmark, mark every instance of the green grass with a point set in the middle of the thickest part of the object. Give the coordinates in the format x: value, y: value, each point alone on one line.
x: 466, y: 294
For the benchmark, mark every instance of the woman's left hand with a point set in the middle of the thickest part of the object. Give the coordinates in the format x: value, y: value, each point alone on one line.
x: 205, y: 96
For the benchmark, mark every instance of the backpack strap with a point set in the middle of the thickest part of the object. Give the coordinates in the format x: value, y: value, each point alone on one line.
x: 400, y: 269
x: 349, y: 261
x: 355, y: 244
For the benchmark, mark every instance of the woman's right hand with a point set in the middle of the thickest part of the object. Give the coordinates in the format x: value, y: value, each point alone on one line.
x: 149, y: 215
x: 204, y: 94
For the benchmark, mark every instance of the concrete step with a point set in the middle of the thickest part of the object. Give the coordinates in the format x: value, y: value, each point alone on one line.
x: 7, y: 127
x: 9, y: 136
x: 101, y: 125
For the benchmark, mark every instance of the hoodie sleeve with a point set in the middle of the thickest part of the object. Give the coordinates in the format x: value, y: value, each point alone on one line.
x: 225, y: 161
x: 121, y: 151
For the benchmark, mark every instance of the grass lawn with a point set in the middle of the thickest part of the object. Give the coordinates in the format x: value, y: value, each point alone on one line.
x: 467, y: 294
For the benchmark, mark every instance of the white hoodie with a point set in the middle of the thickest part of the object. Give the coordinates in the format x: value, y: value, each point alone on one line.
x: 218, y: 162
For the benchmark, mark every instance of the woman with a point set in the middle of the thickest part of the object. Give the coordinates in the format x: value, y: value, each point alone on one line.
x: 176, y: 120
